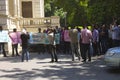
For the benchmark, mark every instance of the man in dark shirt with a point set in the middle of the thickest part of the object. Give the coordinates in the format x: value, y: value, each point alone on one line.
x: 24, y: 39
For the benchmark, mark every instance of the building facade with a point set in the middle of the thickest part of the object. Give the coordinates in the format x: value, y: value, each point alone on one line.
x: 25, y: 13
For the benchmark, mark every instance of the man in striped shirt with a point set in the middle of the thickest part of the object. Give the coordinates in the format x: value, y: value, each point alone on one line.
x: 86, y: 36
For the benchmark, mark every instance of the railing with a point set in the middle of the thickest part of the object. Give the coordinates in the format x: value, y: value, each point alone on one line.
x: 34, y: 22
x: 19, y: 23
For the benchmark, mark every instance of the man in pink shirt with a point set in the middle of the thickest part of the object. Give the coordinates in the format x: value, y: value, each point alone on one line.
x: 15, y: 38
x: 86, y: 37
x: 66, y: 41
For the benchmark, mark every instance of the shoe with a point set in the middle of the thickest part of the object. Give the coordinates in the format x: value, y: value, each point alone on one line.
x: 17, y: 55
x: 73, y: 60
x: 12, y: 55
x: 22, y: 61
x: 56, y: 61
x: 79, y: 59
x: 4, y: 56
x: 51, y: 61
x: 89, y: 60
x: 84, y: 61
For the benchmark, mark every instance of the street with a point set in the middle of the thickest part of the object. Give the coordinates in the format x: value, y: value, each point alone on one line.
x: 39, y: 68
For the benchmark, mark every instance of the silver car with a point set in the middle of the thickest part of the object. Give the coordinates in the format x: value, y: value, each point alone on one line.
x: 112, y: 57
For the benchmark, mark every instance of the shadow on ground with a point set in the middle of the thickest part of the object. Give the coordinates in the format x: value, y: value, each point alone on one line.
x: 63, y: 70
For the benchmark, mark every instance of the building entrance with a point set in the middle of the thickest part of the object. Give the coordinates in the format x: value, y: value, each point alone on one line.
x: 27, y: 9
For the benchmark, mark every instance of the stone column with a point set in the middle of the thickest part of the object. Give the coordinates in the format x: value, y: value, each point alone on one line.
x: 15, y: 8
x: 42, y: 8
x: 18, y: 8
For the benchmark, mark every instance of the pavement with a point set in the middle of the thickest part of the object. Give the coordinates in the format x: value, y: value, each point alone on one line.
x: 39, y: 68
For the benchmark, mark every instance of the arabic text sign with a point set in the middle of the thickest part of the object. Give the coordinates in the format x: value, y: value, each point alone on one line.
x: 4, y: 36
x: 42, y: 38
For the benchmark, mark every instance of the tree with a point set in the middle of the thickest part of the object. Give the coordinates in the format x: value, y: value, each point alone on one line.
x: 80, y: 12
x: 103, y: 11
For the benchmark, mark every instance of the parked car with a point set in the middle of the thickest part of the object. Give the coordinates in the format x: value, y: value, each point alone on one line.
x: 112, y: 57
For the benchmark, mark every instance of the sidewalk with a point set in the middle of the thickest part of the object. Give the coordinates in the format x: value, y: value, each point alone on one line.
x: 39, y: 68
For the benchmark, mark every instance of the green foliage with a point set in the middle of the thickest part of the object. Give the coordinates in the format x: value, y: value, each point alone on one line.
x: 81, y: 12
x: 59, y: 12
x: 103, y: 11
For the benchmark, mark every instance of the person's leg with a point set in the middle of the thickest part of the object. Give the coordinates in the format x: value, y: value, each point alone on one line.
x: 69, y: 47
x: 42, y: 48
x: 73, y: 52
x: 27, y: 54
x: 81, y: 49
x: 65, y: 47
x: 94, y: 49
x: 104, y: 46
x: 16, y: 49
x: 84, y: 52
x: 89, y: 55
x: 57, y: 48
x: 77, y: 51
x: 23, y: 52
x: 55, y: 53
x: 3, y: 49
x: 50, y: 51
x: 38, y: 48
x: 13, y: 49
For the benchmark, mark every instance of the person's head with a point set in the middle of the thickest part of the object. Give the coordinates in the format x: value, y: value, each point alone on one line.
x: 66, y: 28
x: 95, y: 26
x: 79, y: 30
x: 116, y: 23
x: 39, y: 30
x: 85, y: 26
x: 50, y: 30
x: 14, y: 30
x: 24, y: 31
x: 56, y: 27
x: 44, y: 31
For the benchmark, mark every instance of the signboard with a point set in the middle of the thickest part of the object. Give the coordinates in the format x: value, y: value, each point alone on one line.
x: 57, y: 38
x: 4, y: 36
x: 42, y: 38
x: 37, y: 38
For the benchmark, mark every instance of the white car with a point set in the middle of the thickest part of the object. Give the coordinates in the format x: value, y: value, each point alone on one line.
x: 112, y: 57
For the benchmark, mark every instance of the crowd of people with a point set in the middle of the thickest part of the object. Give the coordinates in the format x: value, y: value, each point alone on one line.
x: 82, y: 43
x: 85, y: 42
x: 16, y: 38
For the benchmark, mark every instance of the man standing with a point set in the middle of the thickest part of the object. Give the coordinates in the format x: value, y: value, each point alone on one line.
x: 24, y: 39
x: 86, y: 36
x: 73, y: 33
x: 116, y: 35
x: 103, y: 38
x: 52, y: 45
x: 40, y: 47
x: 14, y: 36
x: 95, y: 40
x: 2, y: 45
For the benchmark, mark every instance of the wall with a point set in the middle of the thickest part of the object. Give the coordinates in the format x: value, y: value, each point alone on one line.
x: 37, y: 7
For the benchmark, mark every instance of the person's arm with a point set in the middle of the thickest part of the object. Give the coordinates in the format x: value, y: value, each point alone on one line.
x: 10, y: 36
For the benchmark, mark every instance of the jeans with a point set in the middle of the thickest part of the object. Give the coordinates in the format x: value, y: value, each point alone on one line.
x: 2, y: 49
x: 25, y: 53
x: 86, y: 52
x: 15, y: 47
x: 52, y: 51
x: 75, y: 51
x: 104, y: 45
